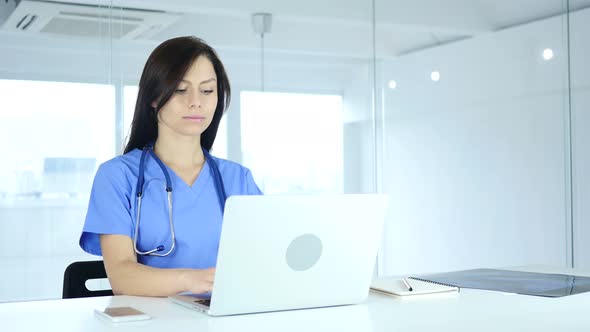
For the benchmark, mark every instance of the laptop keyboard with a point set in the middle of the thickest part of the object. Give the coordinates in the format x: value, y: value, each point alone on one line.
x: 206, y: 302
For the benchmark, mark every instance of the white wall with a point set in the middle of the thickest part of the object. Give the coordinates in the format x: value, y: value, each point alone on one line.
x: 475, y: 164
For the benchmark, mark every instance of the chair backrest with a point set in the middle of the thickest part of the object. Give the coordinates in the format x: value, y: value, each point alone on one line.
x: 77, y: 274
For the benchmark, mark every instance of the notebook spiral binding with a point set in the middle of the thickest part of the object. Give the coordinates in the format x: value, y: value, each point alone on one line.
x: 432, y: 282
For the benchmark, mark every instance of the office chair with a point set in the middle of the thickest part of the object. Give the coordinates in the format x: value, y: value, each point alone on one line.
x: 77, y: 274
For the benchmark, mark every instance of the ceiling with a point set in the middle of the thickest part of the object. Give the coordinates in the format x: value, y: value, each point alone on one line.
x: 344, y: 27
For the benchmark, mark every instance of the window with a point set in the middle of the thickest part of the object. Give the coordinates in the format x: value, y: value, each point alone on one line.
x: 293, y: 142
x: 50, y: 127
x: 129, y: 100
x: 54, y: 135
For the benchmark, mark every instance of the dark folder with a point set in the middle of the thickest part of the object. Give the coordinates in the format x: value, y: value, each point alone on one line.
x: 528, y: 283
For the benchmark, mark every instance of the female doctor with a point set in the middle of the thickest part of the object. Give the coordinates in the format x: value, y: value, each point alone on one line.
x: 155, y: 212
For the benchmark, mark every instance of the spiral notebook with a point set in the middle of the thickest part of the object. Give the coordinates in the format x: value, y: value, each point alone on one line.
x: 396, y: 286
x: 520, y: 282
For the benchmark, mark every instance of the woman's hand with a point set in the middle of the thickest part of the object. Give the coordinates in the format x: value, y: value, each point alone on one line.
x: 198, y: 281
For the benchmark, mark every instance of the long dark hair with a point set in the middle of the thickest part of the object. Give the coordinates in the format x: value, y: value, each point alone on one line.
x: 163, y: 71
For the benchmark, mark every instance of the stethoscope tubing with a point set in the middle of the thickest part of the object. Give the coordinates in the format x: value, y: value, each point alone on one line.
x: 220, y: 188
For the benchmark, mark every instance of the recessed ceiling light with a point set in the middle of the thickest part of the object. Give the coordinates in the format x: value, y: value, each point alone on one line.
x: 547, y: 54
x: 435, y: 76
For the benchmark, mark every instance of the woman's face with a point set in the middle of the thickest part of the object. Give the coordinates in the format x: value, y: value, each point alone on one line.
x: 190, y: 109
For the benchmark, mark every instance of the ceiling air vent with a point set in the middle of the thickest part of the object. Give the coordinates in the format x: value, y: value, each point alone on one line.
x: 91, y: 21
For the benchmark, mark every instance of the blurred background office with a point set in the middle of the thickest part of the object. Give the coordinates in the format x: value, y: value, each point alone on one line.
x: 472, y: 115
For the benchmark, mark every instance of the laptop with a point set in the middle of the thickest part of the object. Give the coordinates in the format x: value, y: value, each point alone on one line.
x: 289, y: 252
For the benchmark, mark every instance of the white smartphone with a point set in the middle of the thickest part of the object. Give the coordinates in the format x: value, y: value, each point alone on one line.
x: 122, y: 314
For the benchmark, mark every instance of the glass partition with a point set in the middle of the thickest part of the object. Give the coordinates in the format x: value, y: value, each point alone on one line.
x: 57, y: 124
x: 579, y: 25
x: 69, y: 83
x: 474, y: 103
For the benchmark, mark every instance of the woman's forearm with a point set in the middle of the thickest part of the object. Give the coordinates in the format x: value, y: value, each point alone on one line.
x: 132, y: 278
x: 128, y: 277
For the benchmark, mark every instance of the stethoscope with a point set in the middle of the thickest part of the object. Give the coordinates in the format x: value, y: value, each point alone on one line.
x: 221, y: 195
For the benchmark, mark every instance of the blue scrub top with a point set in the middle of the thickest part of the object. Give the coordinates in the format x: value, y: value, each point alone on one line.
x: 196, y: 211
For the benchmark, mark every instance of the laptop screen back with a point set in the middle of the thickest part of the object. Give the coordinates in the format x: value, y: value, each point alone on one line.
x: 296, y: 251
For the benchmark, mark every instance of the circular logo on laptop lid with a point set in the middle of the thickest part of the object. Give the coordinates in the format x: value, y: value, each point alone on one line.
x: 304, y: 252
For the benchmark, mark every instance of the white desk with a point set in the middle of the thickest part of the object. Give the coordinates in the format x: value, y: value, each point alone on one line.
x: 470, y: 310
